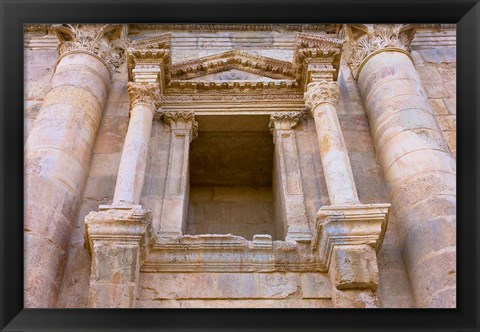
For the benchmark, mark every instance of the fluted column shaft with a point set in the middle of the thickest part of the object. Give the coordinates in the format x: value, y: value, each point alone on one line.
x: 419, y: 169
x: 57, y: 157
x: 321, y: 98
x: 131, y: 173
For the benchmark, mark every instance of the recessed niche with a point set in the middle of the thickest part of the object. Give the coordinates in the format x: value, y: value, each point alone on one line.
x: 231, y: 165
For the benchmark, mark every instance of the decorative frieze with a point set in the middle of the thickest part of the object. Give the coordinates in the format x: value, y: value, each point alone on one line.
x: 366, y: 40
x: 322, y: 92
x: 106, y: 42
x: 144, y: 93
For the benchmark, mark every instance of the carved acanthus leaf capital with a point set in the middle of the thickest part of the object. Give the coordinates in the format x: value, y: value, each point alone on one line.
x: 182, y: 121
x: 367, y: 40
x: 321, y: 92
x: 283, y: 120
x: 144, y: 93
x: 107, y: 41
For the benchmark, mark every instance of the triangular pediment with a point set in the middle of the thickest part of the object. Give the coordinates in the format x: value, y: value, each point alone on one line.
x: 233, y: 63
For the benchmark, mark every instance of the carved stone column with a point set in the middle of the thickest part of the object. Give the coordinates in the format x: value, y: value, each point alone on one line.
x: 346, y: 240
x: 58, y: 151
x: 175, y: 203
x: 322, y: 97
x: 144, y: 99
x: 288, y: 179
x: 419, y: 169
x: 115, y: 239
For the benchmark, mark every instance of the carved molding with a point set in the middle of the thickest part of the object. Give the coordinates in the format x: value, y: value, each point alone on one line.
x: 328, y: 28
x: 119, y: 225
x: 206, y: 253
x: 149, y: 59
x: 349, y: 225
x: 144, y: 93
x: 321, y: 92
x: 107, y: 42
x: 367, y: 40
x: 182, y: 121
x: 283, y: 120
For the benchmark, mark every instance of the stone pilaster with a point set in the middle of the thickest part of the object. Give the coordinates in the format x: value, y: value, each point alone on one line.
x: 144, y: 100
x: 58, y: 151
x: 115, y: 239
x: 175, y: 204
x: 288, y: 179
x: 322, y: 97
x: 419, y: 169
x: 346, y: 241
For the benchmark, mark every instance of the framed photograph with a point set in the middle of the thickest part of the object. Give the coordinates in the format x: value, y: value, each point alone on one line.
x: 292, y: 162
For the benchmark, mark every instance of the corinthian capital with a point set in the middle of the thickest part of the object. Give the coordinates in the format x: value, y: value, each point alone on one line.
x: 144, y: 93
x: 283, y: 120
x: 105, y: 41
x: 321, y: 92
x: 366, y: 40
x: 183, y: 121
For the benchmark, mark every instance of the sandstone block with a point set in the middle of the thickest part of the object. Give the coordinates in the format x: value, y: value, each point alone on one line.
x: 354, y: 267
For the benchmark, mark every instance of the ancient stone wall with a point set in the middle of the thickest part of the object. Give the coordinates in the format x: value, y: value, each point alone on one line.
x: 433, y: 51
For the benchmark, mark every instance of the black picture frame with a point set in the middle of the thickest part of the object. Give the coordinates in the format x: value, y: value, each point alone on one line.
x: 466, y: 13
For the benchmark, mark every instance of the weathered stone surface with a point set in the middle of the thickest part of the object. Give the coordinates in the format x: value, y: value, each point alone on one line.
x: 232, y: 79
x: 414, y: 151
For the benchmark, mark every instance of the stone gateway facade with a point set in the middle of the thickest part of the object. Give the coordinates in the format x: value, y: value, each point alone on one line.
x: 240, y: 166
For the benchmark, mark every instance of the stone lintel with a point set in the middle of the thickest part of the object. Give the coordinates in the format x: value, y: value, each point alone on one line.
x: 349, y: 225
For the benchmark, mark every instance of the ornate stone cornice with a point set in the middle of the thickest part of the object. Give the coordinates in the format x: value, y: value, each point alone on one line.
x: 144, y: 93
x: 349, y: 225
x: 321, y: 92
x: 283, y: 120
x: 149, y: 60
x: 367, y: 40
x: 182, y: 121
x: 106, y: 42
